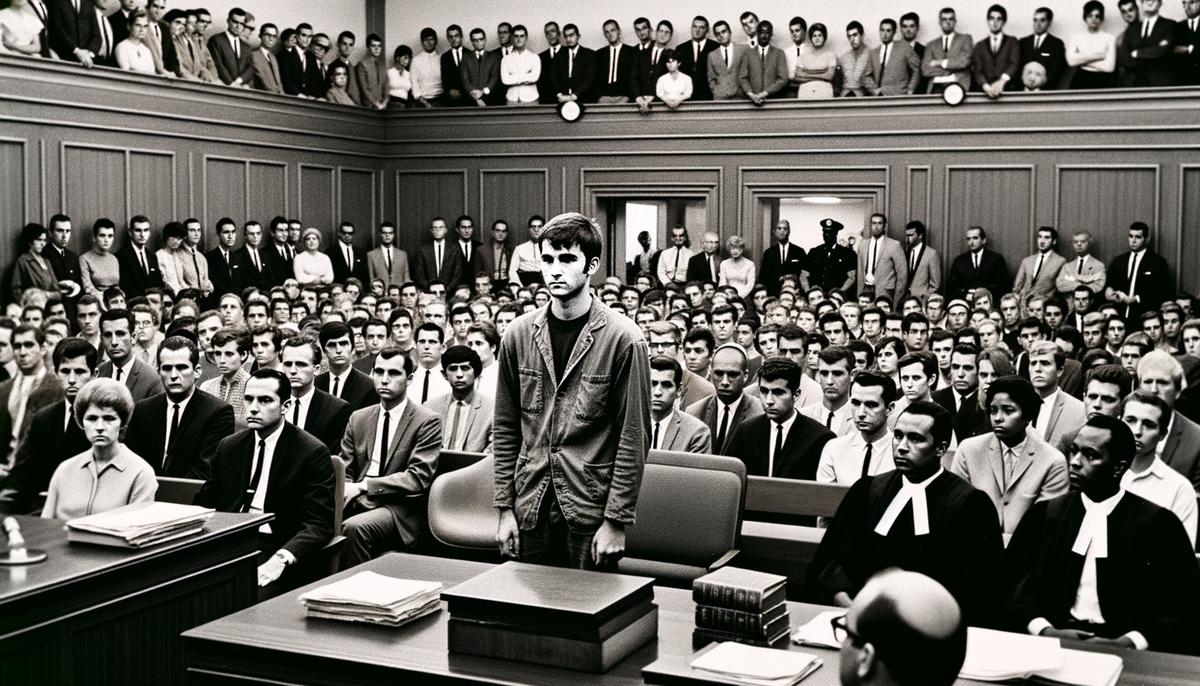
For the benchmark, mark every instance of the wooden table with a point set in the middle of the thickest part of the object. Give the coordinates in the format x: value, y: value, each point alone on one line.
x: 274, y: 641
x: 92, y: 614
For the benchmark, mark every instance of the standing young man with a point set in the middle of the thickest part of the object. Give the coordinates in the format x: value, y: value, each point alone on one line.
x: 574, y: 380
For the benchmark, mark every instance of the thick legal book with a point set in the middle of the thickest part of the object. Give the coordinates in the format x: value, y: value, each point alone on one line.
x: 774, y: 634
x: 738, y: 621
x: 139, y: 525
x: 740, y: 589
x: 732, y: 664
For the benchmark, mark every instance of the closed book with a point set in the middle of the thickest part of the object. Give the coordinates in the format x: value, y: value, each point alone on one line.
x: 740, y: 589
x: 774, y: 634
x: 584, y: 632
x: 738, y: 621
x: 732, y: 665
x: 490, y: 640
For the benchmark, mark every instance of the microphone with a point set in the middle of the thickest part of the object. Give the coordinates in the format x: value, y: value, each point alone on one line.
x: 17, y: 553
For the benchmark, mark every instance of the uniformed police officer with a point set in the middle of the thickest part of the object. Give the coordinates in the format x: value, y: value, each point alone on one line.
x: 831, y: 267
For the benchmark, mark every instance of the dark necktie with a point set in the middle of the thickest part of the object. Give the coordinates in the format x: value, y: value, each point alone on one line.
x: 196, y: 266
x: 425, y: 387
x: 142, y: 261
x: 116, y: 372
x: 867, y: 461
x: 1041, y: 261
x: 296, y: 414
x: 1079, y: 269
x: 778, y: 447
x: 383, y: 444
x: 257, y: 476
x: 654, y: 444
x: 336, y: 384
x: 171, y: 439
x: 829, y: 420
x: 723, y: 430
x: 387, y: 261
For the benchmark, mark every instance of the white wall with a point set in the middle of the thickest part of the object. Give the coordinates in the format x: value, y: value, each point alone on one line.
x: 405, y: 18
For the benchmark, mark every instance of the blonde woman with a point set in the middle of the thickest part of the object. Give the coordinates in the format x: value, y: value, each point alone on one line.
x: 738, y: 270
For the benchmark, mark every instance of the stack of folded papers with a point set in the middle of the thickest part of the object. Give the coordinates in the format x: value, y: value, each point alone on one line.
x: 818, y: 631
x: 374, y: 599
x: 1003, y: 656
x: 739, y: 663
x: 139, y: 525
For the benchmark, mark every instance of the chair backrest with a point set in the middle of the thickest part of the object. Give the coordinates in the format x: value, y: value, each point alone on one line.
x: 689, y: 508
x: 175, y: 490
x: 339, y: 492
x: 461, y: 511
x: 793, y: 497
x: 454, y: 460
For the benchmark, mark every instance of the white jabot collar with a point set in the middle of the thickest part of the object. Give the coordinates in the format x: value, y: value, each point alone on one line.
x: 1093, y: 532
x: 914, y: 492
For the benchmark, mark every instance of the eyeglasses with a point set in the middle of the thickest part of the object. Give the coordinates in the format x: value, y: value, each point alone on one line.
x: 320, y: 46
x: 841, y: 630
x: 270, y: 34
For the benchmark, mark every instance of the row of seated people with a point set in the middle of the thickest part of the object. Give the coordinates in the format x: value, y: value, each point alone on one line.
x: 1151, y: 50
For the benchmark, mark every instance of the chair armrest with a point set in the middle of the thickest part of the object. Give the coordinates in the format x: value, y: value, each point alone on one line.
x: 724, y: 560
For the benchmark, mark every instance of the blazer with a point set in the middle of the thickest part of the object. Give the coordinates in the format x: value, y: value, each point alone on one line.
x: 1187, y: 70
x: 772, y: 266
x: 267, y: 76
x: 1092, y: 275
x: 45, y: 447
x: 969, y: 420
x: 1052, y: 56
x: 327, y: 417
x: 142, y: 380
x: 1040, y: 473
x: 292, y: 71
x: 1147, y: 549
x: 343, y: 271
x: 1182, y: 449
x: 48, y: 392
x: 27, y: 273
x: 1070, y: 377
x: 192, y: 65
x: 694, y: 389
x: 299, y: 487
x: 1152, y: 286
x: 377, y: 267
x: 424, y: 267
x: 133, y: 278
x: 1025, y: 286
x: 1067, y: 416
x: 927, y: 277
x: 316, y: 81
x: 646, y: 72
x: 583, y: 73
x: 992, y: 275
x: 722, y: 79
x: 1155, y: 61
x: 697, y: 268
x: 480, y: 73
x: 708, y: 411
x: 901, y: 74
x: 696, y: 66
x: 684, y: 433
x: 451, y: 75
x: 165, y: 47
x: 261, y: 277
x: 371, y: 77
x: 226, y: 276
x: 801, y: 449
x: 65, y: 267
x: 204, y: 422
x: 958, y: 61
x: 487, y: 260
x: 408, y: 470
x: 475, y: 426
x: 988, y: 67
x: 232, y: 67
x: 757, y: 73
x: 68, y: 30
x: 891, y: 267
x: 281, y: 268
x: 359, y: 390
x: 622, y: 86
x: 547, y: 93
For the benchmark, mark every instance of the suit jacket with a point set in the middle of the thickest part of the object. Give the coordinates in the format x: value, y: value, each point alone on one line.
x: 1152, y: 286
x: 1155, y: 61
x: 1182, y: 449
x: 1067, y: 416
x: 969, y: 420
x: 475, y: 425
x: 694, y: 389
x: 547, y: 93
x: 757, y: 74
x: 327, y: 417
x: 772, y: 267
x: 722, y: 79
x: 193, y: 66
x: 267, y: 76
x: 927, y: 277
x: 707, y: 411
x: 68, y: 30
x: 901, y: 74
x: 65, y: 267
x: 231, y: 67
x: 119, y: 23
x: 164, y: 46
x: 424, y: 267
x: 46, y: 393
x: 408, y: 470
x: 358, y: 391
x: 646, y: 73
x: 697, y: 268
x: 260, y: 277
x: 133, y: 278
x: 1025, y: 286
x: 44, y: 447
x: 343, y: 271
x: 1147, y: 549
x: 891, y: 267
x: 281, y: 268
x: 316, y: 78
x: 1091, y: 275
x: 451, y: 75
x: 377, y: 267
x: 583, y: 73
x: 293, y: 71
x: 988, y: 67
x: 1040, y: 473
x: 992, y: 275
x: 696, y: 66
x: 370, y: 76
x: 1052, y: 56
x: 142, y: 380
x: 1070, y: 377
x: 226, y: 276
x: 801, y: 449
x: 1187, y: 68
x: 487, y: 260
x: 299, y: 487
x: 626, y: 61
x: 958, y: 61
x: 684, y: 433
x: 203, y: 423
x: 480, y: 73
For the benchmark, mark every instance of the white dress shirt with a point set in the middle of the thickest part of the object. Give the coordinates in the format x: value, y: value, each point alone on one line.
x: 393, y: 415
x: 338, y: 381
x: 426, y: 70
x: 1167, y: 488
x: 1042, y: 428
x: 260, y: 493
x: 672, y: 264
x: 526, y: 257
x: 170, y: 413
x: 486, y: 382
x: 914, y: 492
x: 520, y: 70
x: 302, y: 402
x: 842, y: 457
x: 843, y: 420
x: 772, y: 438
x: 438, y: 385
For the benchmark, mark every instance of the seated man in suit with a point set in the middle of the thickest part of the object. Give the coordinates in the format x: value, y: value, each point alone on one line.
x: 343, y: 381
x: 1148, y: 476
x: 867, y: 450
x: 673, y: 429
x: 1089, y: 556
x: 782, y: 442
x: 313, y: 410
x: 730, y: 406
x: 1012, y: 464
x: 273, y: 467
x: 664, y: 339
x: 1161, y: 374
x: 177, y: 431
x: 960, y: 398
x: 53, y: 435
x: 1060, y: 413
x: 116, y: 337
x: 835, y: 369
x: 918, y: 518
x: 391, y: 450
x: 465, y: 413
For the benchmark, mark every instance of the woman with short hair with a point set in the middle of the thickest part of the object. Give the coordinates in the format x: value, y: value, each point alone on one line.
x: 311, y: 266
x: 99, y: 268
x: 737, y: 271
x: 133, y: 53
x: 174, y: 234
x: 339, y: 78
x: 32, y: 270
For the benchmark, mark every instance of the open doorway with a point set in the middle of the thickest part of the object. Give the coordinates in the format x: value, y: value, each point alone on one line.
x: 625, y: 218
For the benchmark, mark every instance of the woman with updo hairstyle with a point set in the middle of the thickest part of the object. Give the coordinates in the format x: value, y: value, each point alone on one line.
x: 339, y: 78
x: 32, y: 270
x: 817, y: 65
x: 737, y: 270
x: 312, y: 267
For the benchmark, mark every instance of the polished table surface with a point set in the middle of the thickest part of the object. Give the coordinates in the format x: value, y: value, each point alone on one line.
x: 274, y: 641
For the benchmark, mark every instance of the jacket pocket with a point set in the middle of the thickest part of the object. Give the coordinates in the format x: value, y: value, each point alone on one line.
x: 598, y: 478
x: 531, y: 389
x: 593, y: 397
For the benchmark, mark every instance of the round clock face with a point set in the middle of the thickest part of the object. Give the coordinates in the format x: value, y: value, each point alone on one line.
x: 570, y: 111
x: 954, y: 94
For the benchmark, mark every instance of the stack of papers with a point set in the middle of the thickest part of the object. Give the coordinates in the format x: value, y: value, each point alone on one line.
x: 374, y: 599
x: 1003, y: 656
x: 756, y: 666
x: 818, y: 632
x: 139, y: 525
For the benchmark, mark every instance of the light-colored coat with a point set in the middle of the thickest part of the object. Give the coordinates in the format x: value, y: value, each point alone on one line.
x: 927, y: 277
x: 1025, y: 286
x: 722, y: 80
x: 377, y: 266
x: 899, y: 76
x: 1040, y: 473
x: 958, y: 61
x: 266, y: 72
x: 475, y: 425
x: 1067, y: 415
x: 1093, y: 275
x: 685, y: 433
x: 891, y: 270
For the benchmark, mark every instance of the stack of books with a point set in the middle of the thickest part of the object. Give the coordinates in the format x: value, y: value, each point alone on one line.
x: 569, y: 618
x: 373, y: 599
x: 139, y: 525
x: 740, y: 605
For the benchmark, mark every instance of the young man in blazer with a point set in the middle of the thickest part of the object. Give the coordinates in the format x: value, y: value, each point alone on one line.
x: 438, y: 260
x: 116, y: 337
x: 894, y: 67
x: 232, y: 54
x: 348, y: 260
x: 782, y: 258
x: 273, y: 467
x: 495, y: 256
x: 763, y: 72
x: 693, y: 58
x: 1147, y: 48
x: 1038, y: 272
x: 960, y: 398
x: 343, y: 381
x: 723, y: 66
x: 480, y: 70
x: 671, y: 428
x: 73, y: 30
x: 924, y: 266
x: 731, y: 406
x: 1060, y: 413
x: 881, y: 263
x: 996, y: 58
x: 614, y: 67
x: 267, y: 76
x: 947, y: 58
x: 1045, y: 49
x: 137, y: 262
x: 387, y: 262
x: 1082, y: 269
x: 465, y: 413
x: 253, y: 260
x: 1138, y: 279
x: 313, y: 410
x: 391, y: 453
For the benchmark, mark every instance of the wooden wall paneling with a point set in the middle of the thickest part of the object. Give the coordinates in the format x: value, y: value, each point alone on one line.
x: 317, y: 203
x: 919, y: 204
x: 153, y: 190
x: 421, y: 195
x: 14, y: 195
x: 1105, y: 199
x: 1000, y: 198
x: 1188, y: 257
x: 357, y: 204
x: 512, y: 195
x: 267, y: 191
x: 93, y: 184
x: 223, y: 192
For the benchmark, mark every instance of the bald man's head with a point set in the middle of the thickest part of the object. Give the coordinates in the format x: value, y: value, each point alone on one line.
x: 908, y: 630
